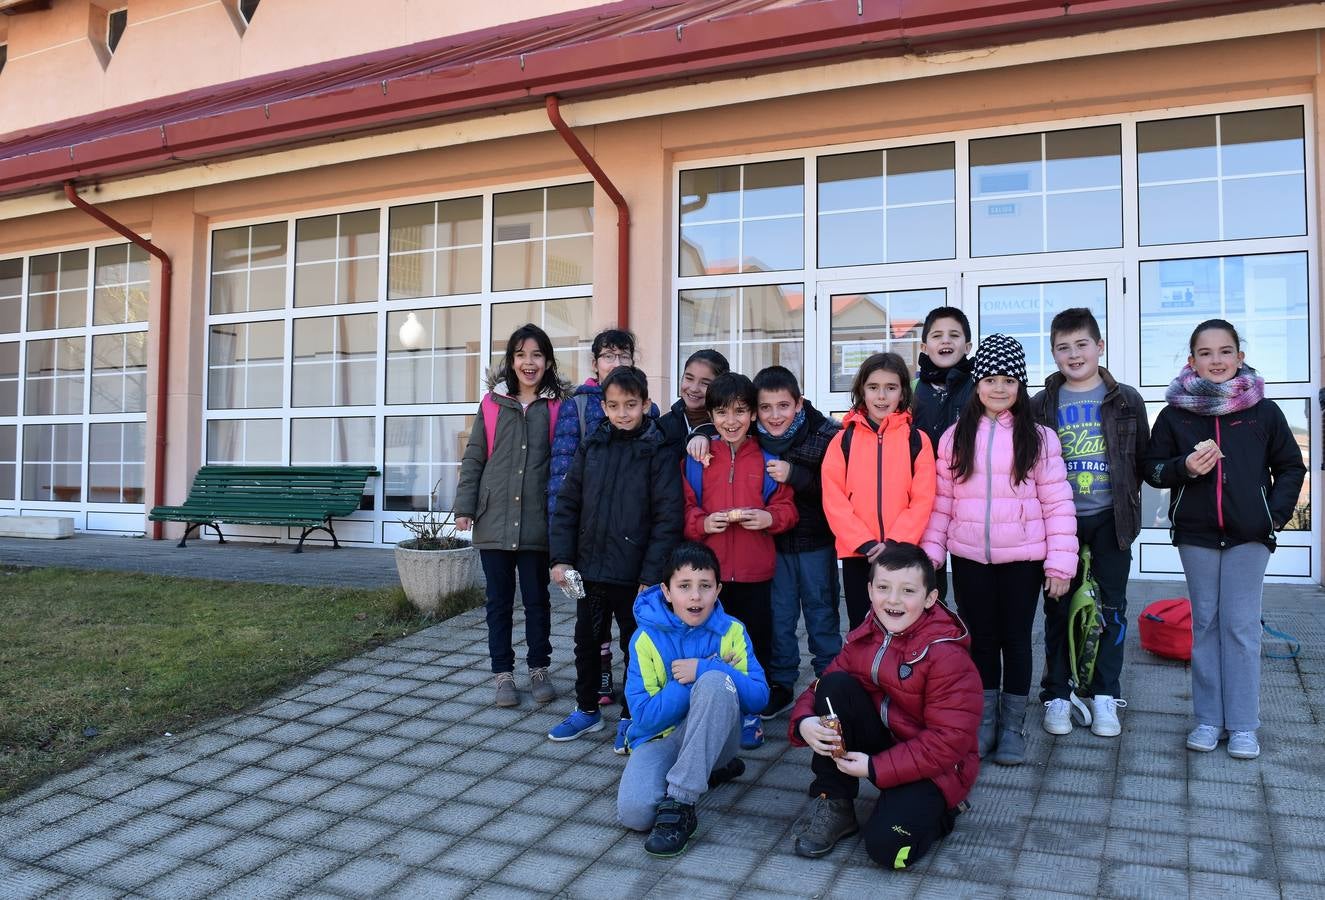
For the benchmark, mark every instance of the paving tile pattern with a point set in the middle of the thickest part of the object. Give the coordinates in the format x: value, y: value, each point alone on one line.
x: 390, y: 775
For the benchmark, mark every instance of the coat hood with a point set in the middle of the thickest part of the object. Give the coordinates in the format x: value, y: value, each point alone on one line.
x: 495, y: 380
x: 899, y: 419
x: 653, y: 611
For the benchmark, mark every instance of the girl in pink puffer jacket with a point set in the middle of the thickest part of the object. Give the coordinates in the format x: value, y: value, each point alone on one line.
x: 1004, y: 511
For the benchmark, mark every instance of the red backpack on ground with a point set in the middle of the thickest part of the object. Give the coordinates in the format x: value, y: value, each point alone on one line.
x: 1166, y: 628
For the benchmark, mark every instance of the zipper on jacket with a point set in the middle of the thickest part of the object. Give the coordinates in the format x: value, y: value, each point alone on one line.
x: 1266, y: 501
x: 731, y: 473
x: 1219, y: 481
x: 1173, y: 514
x: 879, y: 492
x: 883, y: 710
x: 878, y: 657
x: 989, y: 488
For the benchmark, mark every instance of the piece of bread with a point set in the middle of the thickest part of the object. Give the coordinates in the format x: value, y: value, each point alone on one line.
x: 735, y: 515
x: 1207, y: 444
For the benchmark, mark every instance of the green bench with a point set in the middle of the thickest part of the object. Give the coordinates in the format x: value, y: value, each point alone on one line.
x: 303, y: 496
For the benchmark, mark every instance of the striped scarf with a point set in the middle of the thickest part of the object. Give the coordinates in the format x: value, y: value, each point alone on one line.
x: 1193, y: 393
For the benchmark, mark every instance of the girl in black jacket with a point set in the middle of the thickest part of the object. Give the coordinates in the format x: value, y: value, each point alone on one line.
x: 1234, y: 471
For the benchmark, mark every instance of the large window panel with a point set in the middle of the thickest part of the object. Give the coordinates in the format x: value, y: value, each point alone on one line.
x: 746, y: 218
x: 53, y: 462
x: 246, y: 368
x: 754, y: 327
x: 568, y: 323
x: 880, y: 322
x: 341, y: 441
x: 1025, y: 312
x: 54, y: 383
x: 433, y: 355
x: 248, y: 267
x: 435, y: 249
x: 336, y: 259
x: 11, y: 295
x: 9, y: 375
x: 887, y: 206
x: 57, y: 290
x: 542, y: 237
x: 244, y: 442
x: 119, y: 372
x: 1223, y: 177
x: 121, y: 281
x: 335, y: 361
x: 1263, y: 296
x: 115, y: 460
x: 8, y: 461
x: 422, y: 462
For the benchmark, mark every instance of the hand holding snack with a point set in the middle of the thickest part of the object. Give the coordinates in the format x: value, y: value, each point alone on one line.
x: 716, y: 522
x: 735, y: 515
x: 1203, y: 458
x: 756, y: 519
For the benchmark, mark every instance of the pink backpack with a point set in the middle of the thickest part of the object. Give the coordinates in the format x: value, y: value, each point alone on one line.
x: 489, y: 409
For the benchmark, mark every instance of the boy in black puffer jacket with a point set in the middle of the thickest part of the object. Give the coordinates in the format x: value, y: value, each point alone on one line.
x: 619, y: 515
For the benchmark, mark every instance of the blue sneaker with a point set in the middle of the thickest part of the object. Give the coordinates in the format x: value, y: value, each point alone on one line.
x: 752, y: 733
x: 620, y: 746
x: 576, y: 724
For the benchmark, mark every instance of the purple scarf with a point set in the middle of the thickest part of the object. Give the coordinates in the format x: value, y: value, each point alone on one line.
x: 1193, y: 393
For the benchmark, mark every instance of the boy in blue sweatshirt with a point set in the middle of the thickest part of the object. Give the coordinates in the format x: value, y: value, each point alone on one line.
x: 693, y: 675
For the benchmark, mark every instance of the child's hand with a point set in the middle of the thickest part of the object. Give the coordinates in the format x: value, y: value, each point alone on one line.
x: 558, y: 573
x: 756, y: 519
x: 875, y: 551
x: 1055, y: 587
x: 854, y: 763
x: 683, y: 670
x: 822, y: 741
x: 779, y: 470
x: 1201, y: 461
x: 700, y: 450
x: 715, y: 523
x: 464, y: 523
x: 731, y: 658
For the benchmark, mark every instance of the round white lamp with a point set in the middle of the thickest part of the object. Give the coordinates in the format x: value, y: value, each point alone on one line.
x: 412, y: 334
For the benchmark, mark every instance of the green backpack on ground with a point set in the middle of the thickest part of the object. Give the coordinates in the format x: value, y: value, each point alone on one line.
x: 1085, y: 624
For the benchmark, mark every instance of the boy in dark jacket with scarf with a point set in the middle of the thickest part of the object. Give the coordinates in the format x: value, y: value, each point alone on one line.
x: 1103, y: 429
x: 618, y: 517
x: 908, y: 699
x: 805, y: 580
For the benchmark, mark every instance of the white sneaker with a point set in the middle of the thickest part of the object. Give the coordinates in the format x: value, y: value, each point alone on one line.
x: 1058, y: 717
x: 1106, y: 715
x: 1204, y: 738
x: 1243, y: 745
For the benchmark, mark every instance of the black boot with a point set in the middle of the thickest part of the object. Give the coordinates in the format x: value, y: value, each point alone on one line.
x: 1011, y: 731
x: 989, y: 724
x: 673, y: 825
x: 827, y: 822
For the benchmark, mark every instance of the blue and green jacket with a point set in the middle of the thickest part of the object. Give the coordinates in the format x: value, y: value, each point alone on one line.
x: 657, y: 702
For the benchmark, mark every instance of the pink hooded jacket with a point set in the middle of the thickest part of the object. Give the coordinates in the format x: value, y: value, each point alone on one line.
x: 988, y: 519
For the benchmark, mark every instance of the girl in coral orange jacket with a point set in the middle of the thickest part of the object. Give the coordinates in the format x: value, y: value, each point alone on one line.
x: 878, y: 475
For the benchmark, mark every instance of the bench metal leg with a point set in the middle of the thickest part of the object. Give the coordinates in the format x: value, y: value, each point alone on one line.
x: 199, y: 526
x: 335, y: 544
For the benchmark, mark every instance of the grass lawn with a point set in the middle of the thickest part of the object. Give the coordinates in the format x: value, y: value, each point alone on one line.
x: 96, y: 660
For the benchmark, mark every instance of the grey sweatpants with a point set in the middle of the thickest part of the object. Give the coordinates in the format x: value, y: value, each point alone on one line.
x: 1225, y: 588
x: 679, y: 764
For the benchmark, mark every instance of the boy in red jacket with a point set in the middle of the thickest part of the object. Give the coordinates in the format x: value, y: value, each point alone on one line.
x: 908, y: 698
x: 734, y: 507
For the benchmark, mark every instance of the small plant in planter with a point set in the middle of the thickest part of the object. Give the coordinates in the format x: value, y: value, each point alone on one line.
x: 438, y: 570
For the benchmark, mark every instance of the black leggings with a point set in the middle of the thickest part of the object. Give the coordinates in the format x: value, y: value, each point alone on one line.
x: 751, y: 603
x: 997, y: 603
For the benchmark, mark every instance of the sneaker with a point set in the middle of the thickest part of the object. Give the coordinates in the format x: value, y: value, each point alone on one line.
x: 540, y: 685
x: 606, y: 694
x: 780, y: 699
x: 1204, y: 738
x: 506, y: 693
x: 621, y: 746
x: 673, y: 825
x: 827, y: 822
x: 1243, y: 745
x: 752, y: 733
x: 1058, y: 716
x: 734, y: 769
x: 1105, y: 709
x: 576, y: 724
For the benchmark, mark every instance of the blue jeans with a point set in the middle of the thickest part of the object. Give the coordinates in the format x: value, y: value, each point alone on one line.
x: 501, y: 567
x: 804, y: 582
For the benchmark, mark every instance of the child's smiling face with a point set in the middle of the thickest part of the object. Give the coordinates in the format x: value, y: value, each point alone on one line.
x: 695, y: 381
x: 692, y: 593
x: 733, y: 421
x: 1215, y: 355
x: 883, y: 393
x: 529, y: 364
x: 997, y: 393
x: 624, y: 410
x: 945, y: 343
x: 777, y: 410
x: 898, y: 597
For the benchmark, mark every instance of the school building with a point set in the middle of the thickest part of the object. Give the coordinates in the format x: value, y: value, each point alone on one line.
x: 328, y: 215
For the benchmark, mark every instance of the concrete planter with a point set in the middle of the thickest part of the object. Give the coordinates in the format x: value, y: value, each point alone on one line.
x: 429, y: 575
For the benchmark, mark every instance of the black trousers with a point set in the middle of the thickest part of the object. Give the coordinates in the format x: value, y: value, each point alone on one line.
x: 593, y: 614
x: 752, y: 603
x: 908, y: 818
x: 997, y: 603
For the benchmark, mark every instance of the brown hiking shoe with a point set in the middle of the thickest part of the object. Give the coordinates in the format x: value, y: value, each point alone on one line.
x: 540, y: 685
x: 506, y: 694
x: 827, y: 822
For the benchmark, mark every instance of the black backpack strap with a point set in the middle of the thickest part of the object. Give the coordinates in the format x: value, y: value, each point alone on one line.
x: 846, y: 444
x: 914, y: 439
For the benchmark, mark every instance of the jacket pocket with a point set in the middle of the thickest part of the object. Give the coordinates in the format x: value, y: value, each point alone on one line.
x: 482, y: 504
x: 1269, y: 517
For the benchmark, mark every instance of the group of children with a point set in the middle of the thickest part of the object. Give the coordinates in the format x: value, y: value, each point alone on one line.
x: 743, y: 489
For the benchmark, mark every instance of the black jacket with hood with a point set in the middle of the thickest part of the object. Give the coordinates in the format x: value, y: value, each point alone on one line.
x: 933, y: 410
x: 806, y: 455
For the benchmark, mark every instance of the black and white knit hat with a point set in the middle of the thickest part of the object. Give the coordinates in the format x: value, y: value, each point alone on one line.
x: 999, y: 354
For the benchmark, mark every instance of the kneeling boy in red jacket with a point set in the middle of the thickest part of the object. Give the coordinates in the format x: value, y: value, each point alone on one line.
x: 909, y: 699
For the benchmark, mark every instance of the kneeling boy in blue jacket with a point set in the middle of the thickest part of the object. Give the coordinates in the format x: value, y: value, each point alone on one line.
x: 692, y: 677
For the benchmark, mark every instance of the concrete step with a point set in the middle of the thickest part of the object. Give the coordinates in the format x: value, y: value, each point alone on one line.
x: 49, y: 528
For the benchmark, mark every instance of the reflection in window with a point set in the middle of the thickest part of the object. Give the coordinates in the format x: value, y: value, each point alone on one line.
x: 248, y: 267
x: 119, y: 372
x: 119, y: 292
x: 1025, y: 311
x: 435, y: 249
x: 8, y: 461
x: 53, y: 462
x: 336, y: 259
x: 57, y: 290
x: 244, y: 442
x: 1223, y: 177
x: 115, y: 459
x: 1265, y: 297
x: 422, y: 463
x: 245, y: 366
x: 54, y: 384
x: 9, y: 379
x: 335, y: 361
x: 747, y: 218
x: 887, y: 206
x: 886, y: 321
x: 542, y: 237
x: 569, y: 323
x: 440, y: 363
x: 753, y: 327
x: 11, y: 291
x: 344, y: 441
x: 1054, y: 190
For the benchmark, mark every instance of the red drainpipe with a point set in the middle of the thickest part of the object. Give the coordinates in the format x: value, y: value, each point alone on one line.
x: 622, y: 209
x: 162, y: 343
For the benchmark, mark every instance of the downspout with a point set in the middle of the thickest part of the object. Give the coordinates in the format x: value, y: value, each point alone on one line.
x: 162, y: 343
x: 622, y: 209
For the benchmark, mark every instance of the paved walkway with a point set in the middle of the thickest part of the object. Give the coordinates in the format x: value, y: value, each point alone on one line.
x: 389, y: 775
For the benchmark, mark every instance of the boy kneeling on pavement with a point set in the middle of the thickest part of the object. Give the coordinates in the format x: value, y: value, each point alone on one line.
x: 908, y: 698
x: 692, y: 676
